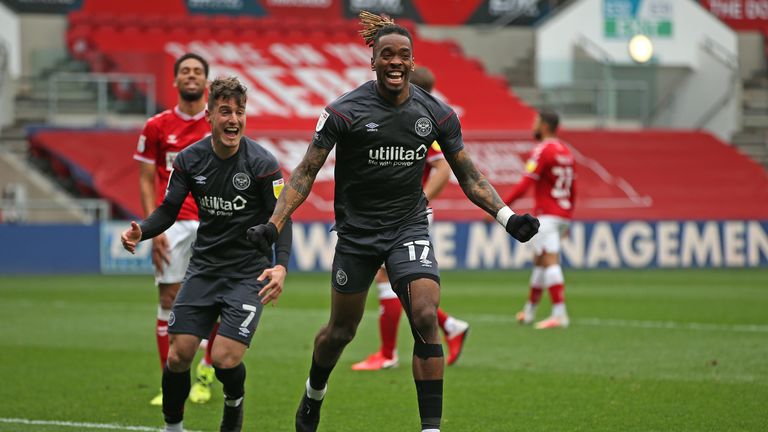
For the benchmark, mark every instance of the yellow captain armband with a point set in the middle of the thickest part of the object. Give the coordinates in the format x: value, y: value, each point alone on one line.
x: 531, y: 166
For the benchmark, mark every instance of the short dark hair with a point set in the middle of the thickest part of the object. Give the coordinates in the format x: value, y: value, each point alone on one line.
x: 186, y: 56
x: 424, y: 78
x: 376, y: 26
x: 550, y: 118
x: 225, y: 88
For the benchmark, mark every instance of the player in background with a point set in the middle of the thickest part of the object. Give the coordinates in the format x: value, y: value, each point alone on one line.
x: 551, y: 169
x: 235, y: 183
x: 381, y: 131
x: 437, y: 172
x: 163, y: 137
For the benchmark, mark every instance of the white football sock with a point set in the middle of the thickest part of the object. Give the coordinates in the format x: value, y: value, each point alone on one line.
x: 558, y: 310
x: 175, y: 427
x: 452, y: 325
x: 233, y: 402
x: 315, y: 394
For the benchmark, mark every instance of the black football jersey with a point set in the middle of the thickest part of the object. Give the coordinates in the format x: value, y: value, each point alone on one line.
x: 232, y: 195
x: 381, y: 150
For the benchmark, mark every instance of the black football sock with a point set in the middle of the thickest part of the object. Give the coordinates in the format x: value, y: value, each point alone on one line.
x: 233, y: 380
x: 430, y: 394
x: 318, y: 375
x: 175, y: 391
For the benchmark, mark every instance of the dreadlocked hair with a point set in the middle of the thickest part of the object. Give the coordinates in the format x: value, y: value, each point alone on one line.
x: 376, y: 26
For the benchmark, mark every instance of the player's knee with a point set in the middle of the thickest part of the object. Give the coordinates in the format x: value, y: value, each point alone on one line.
x: 341, y: 335
x: 226, y: 360
x: 179, y: 360
x: 425, y: 319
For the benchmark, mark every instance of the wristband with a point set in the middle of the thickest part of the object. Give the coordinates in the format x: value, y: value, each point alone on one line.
x: 503, y: 215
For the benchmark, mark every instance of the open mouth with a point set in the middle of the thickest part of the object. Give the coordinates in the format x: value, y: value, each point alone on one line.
x: 231, y: 132
x: 394, y: 78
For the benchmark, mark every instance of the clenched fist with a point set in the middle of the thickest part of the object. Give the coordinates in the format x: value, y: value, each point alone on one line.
x: 522, y: 228
x: 262, y: 236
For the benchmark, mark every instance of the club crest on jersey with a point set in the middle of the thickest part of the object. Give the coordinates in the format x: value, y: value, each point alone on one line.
x: 241, y: 181
x: 321, y: 121
x: 423, y: 126
x: 341, y: 277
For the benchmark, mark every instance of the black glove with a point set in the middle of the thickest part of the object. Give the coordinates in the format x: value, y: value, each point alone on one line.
x: 262, y: 236
x: 522, y: 228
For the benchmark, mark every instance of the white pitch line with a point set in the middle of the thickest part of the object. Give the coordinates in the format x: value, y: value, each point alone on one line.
x: 674, y: 325
x: 667, y: 325
x: 589, y: 321
x: 110, y: 426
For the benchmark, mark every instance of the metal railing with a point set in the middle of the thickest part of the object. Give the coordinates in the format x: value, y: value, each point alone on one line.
x: 84, y: 211
x: 723, y: 56
x: 101, y: 82
x: 607, y: 100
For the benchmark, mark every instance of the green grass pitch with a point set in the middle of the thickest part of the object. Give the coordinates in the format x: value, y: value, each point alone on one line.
x: 647, y: 351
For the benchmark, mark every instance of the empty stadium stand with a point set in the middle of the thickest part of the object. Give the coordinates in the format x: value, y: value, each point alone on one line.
x: 652, y: 175
x: 293, y: 68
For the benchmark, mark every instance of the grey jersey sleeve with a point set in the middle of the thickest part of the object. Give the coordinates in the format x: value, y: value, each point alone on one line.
x: 165, y: 215
x: 449, y: 134
x: 331, y: 127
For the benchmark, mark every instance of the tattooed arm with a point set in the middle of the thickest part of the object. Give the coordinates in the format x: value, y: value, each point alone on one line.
x: 474, y: 184
x: 299, y: 185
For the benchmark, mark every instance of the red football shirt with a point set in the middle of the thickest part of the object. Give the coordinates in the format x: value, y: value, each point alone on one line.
x: 551, y: 169
x: 162, y: 138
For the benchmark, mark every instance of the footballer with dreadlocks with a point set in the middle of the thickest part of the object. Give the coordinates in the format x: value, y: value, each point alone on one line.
x: 381, y: 131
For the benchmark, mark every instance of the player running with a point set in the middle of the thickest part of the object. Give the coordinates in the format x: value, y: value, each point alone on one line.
x: 437, y: 172
x: 162, y: 138
x: 551, y: 169
x: 381, y: 131
x: 235, y: 183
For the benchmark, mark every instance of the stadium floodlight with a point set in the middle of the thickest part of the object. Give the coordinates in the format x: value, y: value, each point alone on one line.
x: 640, y: 48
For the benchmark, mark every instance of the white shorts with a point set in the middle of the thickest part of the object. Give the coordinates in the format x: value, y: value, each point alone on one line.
x: 551, y: 230
x: 181, y: 235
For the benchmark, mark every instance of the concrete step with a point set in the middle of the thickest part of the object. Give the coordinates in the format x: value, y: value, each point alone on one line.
x: 747, y: 137
x: 755, y: 99
x: 754, y: 119
x: 44, y: 201
x: 753, y: 149
x: 530, y: 95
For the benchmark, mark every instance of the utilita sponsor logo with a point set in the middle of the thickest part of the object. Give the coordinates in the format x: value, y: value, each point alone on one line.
x: 220, y: 207
x: 395, y: 156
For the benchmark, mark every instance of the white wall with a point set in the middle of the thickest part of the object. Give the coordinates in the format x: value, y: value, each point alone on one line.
x: 582, y: 24
x: 9, y: 35
x: 43, y: 41
x: 9, y: 32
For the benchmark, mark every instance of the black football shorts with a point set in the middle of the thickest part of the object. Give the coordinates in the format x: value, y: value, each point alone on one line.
x: 406, y: 252
x: 203, y: 298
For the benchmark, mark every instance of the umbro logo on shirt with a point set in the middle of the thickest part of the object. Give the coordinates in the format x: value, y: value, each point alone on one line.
x: 372, y: 127
x: 172, y: 139
x: 200, y: 179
